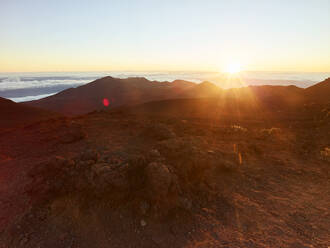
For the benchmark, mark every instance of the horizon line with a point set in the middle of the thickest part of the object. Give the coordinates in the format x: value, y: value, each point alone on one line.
x: 172, y: 71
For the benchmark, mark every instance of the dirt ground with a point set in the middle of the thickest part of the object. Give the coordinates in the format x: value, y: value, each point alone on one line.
x: 173, y: 183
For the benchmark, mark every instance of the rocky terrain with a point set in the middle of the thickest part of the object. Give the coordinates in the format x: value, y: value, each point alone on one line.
x: 198, y: 172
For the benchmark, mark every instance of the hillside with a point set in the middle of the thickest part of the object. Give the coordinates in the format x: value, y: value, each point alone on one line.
x: 318, y: 93
x: 16, y: 114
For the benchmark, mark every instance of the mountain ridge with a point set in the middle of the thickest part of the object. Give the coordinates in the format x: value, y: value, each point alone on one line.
x: 138, y: 90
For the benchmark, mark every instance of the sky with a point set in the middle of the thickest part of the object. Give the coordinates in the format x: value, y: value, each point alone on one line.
x: 154, y: 35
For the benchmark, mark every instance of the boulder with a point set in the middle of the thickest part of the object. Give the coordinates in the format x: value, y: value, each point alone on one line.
x: 159, y: 180
x: 90, y: 155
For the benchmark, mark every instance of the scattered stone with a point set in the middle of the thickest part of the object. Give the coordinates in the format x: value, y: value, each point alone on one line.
x: 60, y: 161
x: 185, y: 203
x: 114, y: 161
x: 143, y: 223
x: 154, y: 153
x: 159, y: 131
x: 100, y: 168
x: 23, y: 241
x: 116, y: 178
x: 90, y: 162
x: 159, y: 179
x: 90, y: 155
x: 144, y: 207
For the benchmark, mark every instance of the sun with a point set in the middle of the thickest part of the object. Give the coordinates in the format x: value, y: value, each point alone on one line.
x: 233, y: 68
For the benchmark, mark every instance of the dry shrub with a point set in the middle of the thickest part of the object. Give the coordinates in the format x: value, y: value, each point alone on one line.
x: 325, y: 154
x: 238, y: 129
x: 270, y: 132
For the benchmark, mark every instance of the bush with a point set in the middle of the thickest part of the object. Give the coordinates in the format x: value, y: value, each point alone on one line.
x: 325, y: 154
x: 270, y: 132
x: 238, y: 129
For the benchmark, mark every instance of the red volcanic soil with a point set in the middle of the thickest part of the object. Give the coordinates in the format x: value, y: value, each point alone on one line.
x: 168, y: 174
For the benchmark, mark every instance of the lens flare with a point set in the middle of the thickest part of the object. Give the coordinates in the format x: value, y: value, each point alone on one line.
x: 106, y: 102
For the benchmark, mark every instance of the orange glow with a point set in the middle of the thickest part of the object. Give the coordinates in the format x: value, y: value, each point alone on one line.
x: 233, y: 68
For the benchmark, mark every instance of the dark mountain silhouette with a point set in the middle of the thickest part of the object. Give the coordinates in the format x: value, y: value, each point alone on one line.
x: 318, y: 93
x: 204, y: 89
x: 200, y: 108
x: 132, y: 91
x: 118, y: 92
x: 272, y: 97
x: 16, y: 114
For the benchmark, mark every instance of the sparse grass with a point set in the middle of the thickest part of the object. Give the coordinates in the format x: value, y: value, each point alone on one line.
x: 325, y: 154
x: 270, y: 132
x: 238, y: 128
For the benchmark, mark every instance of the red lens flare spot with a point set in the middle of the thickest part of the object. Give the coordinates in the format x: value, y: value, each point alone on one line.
x: 106, y: 102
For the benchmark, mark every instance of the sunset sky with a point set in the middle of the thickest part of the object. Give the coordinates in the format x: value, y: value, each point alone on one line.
x: 260, y: 35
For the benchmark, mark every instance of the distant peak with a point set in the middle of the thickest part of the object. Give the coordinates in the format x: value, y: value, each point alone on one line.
x: 179, y: 82
x: 2, y: 99
x: 207, y: 84
x: 137, y: 78
x: 107, y: 77
x: 324, y: 83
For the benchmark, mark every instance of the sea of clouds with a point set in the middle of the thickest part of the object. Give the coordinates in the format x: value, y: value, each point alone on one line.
x: 30, y: 86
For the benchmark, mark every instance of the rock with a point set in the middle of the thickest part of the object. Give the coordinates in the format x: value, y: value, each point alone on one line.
x: 144, y: 207
x: 90, y: 155
x: 81, y: 165
x: 177, y: 146
x: 115, y: 177
x: 89, y: 163
x: 70, y: 163
x: 143, y: 223
x: 24, y: 240
x: 185, y: 203
x: 159, y: 131
x: 114, y: 161
x: 59, y: 161
x: 229, y: 165
x: 100, y: 168
x: 159, y: 179
x: 154, y: 153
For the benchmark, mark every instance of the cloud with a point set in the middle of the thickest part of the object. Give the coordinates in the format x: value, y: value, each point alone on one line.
x: 29, y: 98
